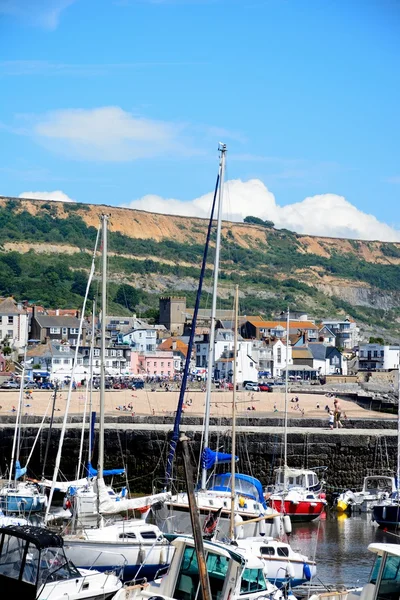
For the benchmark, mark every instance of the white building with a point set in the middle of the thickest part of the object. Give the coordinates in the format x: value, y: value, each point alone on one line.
x: 280, y: 355
x: 372, y: 357
x: 13, y: 324
x: 247, y: 368
x: 224, y: 341
x: 141, y: 340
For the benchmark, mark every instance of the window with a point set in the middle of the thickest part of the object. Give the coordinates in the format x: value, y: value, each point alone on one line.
x: 54, y: 330
x: 169, y: 364
x: 188, y: 582
x: 375, y: 353
x: 1, y: 335
x: 382, y: 353
x: 96, y: 352
x: 12, y: 556
x: 66, y: 361
x: 361, y: 353
x: 74, y: 330
x: 1, y: 319
x: 267, y: 551
x: 252, y: 581
x: 279, y: 355
x: 128, y: 535
x: 10, y: 333
x: 10, y: 320
x: 65, y: 330
x: 154, y: 364
x: 162, y: 363
x: 283, y: 551
x: 251, y: 364
x: 56, y: 361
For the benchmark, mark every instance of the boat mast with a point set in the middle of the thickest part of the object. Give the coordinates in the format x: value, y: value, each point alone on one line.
x: 286, y: 402
x: 91, y: 358
x: 233, y: 449
x: 210, y: 362
x: 398, y: 436
x: 100, y: 461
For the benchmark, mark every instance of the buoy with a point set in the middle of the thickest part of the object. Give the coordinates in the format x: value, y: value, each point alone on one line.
x: 141, y: 555
x: 307, y: 571
x: 239, y: 529
x: 342, y: 506
x: 290, y: 571
x: 287, y: 525
x: 276, y: 527
x: 262, y: 526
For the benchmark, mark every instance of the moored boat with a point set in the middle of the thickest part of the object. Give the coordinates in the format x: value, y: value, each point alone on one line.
x: 375, y: 488
x: 33, y: 565
x: 297, y: 493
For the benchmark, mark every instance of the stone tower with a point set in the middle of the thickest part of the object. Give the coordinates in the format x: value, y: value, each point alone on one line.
x: 172, y: 313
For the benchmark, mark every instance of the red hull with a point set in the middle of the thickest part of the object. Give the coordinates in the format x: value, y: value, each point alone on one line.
x: 306, y: 510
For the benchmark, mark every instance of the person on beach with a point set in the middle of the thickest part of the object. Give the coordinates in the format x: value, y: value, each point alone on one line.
x: 331, y: 419
x: 337, y: 414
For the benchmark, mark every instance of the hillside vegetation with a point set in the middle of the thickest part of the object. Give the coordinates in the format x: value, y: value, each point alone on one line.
x: 45, y: 252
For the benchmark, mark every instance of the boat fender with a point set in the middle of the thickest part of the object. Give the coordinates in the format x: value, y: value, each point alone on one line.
x: 290, y: 571
x: 322, y: 496
x: 287, y: 525
x: 141, y: 555
x: 262, y: 526
x: 276, y: 527
x: 163, y: 556
x: 239, y: 530
x: 34, y: 501
x: 384, y: 512
x: 307, y: 571
x: 45, y: 501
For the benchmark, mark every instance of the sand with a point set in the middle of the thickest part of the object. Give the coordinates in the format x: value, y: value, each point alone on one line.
x: 159, y: 402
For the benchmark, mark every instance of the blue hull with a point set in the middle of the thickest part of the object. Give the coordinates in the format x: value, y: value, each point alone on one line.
x: 130, y: 571
x: 387, y: 515
x: 19, y: 504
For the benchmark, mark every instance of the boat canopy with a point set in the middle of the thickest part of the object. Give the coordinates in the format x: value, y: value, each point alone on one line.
x: 38, y: 536
x: 393, y: 549
x: 210, y: 458
x: 244, y: 484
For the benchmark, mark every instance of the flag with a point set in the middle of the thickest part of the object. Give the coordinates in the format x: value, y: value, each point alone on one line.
x: 211, y: 522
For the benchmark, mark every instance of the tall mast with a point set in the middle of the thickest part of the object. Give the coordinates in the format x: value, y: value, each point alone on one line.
x: 91, y: 358
x: 210, y: 363
x: 286, y: 401
x: 233, y: 449
x: 100, y: 462
x: 398, y: 435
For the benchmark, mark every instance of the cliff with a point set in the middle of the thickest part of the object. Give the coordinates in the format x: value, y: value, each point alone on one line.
x: 158, y: 254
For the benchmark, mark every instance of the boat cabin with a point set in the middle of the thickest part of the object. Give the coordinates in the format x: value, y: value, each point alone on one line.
x: 31, y: 557
x: 297, y: 478
x: 231, y: 572
x: 378, y: 484
x: 384, y: 582
x: 245, y: 485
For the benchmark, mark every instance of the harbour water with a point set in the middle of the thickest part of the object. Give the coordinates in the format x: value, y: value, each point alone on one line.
x: 340, y: 546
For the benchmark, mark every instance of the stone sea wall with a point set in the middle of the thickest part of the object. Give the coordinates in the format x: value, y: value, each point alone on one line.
x: 349, y: 455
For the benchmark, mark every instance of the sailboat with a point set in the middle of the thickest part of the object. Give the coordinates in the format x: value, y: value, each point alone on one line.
x: 20, y: 496
x: 297, y: 493
x: 142, y: 546
x: 387, y: 512
x: 213, y: 494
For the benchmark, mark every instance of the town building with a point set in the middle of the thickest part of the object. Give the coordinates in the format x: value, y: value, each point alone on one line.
x: 56, y: 328
x: 54, y: 360
x: 161, y: 363
x: 173, y: 313
x: 258, y: 328
x: 345, y: 331
x: 13, y: 324
x: 377, y: 357
x: 141, y: 339
x: 246, y: 366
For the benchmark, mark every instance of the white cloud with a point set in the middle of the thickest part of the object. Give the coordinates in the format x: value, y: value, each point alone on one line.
x: 40, y: 13
x: 57, y: 195
x: 108, y: 134
x: 324, y: 214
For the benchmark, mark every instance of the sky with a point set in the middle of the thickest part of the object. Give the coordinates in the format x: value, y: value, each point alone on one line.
x: 123, y: 102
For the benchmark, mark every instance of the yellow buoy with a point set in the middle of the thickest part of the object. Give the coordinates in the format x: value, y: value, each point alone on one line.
x: 342, y: 506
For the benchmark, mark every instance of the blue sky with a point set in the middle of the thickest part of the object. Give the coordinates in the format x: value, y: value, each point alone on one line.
x: 124, y: 101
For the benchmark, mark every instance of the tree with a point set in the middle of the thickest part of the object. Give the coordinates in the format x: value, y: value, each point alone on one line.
x: 7, y: 351
x: 377, y: 340
x: 253, y: 220
x: 79, y: 284
x: 127, y: 296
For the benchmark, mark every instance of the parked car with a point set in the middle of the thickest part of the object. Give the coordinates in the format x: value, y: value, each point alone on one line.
x: 138, y: 385
x: 10, y: 385
x: 264, y: 387
x: 47, y: 385
x: 246, y: 381
x: 31, y: 385
x: 252, y: 387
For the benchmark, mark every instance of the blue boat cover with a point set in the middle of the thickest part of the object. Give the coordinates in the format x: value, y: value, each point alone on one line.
x: 210, y: 458
x: 244, y: 485
x: 92, y: 472
x: 19, y: 471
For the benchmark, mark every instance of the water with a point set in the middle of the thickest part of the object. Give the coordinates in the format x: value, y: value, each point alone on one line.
x: 340, y: 546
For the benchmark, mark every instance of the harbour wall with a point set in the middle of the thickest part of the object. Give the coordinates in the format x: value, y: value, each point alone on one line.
x: 141, y: 447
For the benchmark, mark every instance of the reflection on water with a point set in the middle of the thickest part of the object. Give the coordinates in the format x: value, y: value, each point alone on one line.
x: 340, y: 546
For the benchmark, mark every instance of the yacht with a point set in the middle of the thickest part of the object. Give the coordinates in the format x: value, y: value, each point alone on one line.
x: 297, y: 493
x: 375, y: 488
